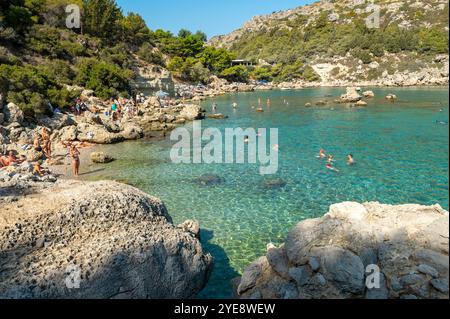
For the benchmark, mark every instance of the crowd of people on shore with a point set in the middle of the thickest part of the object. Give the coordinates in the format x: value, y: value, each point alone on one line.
x: 117, y: 108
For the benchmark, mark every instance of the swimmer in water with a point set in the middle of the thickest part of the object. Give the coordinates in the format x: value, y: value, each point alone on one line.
x: 330, y: 159
x: 322, y: 154
x: 235, y: 105
x: 246, y: 139
x: 331, y: 167
x: 350, y: 159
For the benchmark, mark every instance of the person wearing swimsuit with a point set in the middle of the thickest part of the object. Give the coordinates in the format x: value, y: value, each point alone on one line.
x: 75, y: 154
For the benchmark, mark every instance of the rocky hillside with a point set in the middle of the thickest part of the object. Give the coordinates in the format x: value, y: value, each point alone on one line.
x: 95, y: 240
x: 334, y: 39
x: 334, y: 256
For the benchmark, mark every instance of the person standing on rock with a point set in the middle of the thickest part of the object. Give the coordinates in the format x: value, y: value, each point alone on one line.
x: 75, y: 154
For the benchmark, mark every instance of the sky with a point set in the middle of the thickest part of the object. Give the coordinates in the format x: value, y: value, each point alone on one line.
x: 214, y: 17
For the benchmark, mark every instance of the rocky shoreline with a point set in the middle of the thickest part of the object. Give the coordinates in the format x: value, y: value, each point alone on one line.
x: 368, y: 251
x: 101, y: 240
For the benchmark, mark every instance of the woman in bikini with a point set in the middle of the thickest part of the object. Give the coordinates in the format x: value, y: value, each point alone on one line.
x: 75, y: 154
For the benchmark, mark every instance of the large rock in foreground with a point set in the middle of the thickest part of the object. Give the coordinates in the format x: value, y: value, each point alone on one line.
x: 339, y: 255
x: 96, y: 240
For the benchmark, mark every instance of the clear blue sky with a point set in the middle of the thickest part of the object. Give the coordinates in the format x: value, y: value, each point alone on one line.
x: 214, y: 17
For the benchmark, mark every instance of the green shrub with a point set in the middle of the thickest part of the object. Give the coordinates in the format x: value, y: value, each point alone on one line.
x: 236, y: 73
x: 263, y: 73
x: 149, y: 54
x: 32, y: 88
x: 105, y: 79
x: 363, y: 55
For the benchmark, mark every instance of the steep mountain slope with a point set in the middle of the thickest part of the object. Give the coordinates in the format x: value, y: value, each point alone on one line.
x: 345, y: 41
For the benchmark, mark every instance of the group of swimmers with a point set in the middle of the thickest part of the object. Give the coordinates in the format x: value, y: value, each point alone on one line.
x: 330, y: 160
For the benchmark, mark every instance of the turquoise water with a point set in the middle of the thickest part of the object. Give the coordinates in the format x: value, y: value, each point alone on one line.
x: 402, y: 157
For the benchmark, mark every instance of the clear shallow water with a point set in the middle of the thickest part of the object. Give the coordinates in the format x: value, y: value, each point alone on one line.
x: 402, y: 157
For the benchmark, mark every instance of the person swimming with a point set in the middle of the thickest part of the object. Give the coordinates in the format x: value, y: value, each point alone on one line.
x: 246, y: 139
x: 235, y: 105
x: 331, y: 167
x: 330, y: 159
x: 350, y: 159
x: 322, y: 154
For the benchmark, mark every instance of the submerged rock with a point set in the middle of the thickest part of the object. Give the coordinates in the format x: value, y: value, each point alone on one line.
x: 100, y: 240
x: 274, y: 183
x: 218, y: 116
x: 335, y: 256
x: 209, y: 180
x: 361, y: 103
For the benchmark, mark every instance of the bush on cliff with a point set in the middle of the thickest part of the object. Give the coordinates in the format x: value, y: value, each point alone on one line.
x: 33, y: 88
x: 107, y: 80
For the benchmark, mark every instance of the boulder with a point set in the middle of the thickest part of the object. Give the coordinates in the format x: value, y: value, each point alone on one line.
x: 97, y: 134
x: 101, y: 240
x: 368, y: 94
x: 192, y: 227
x: 391, y: 97
x: 351, y: 96
x: 12, y: 113
x: 101, y: 158
x: 333, y: 256
x: 361, y: 103
x: 68, y: 133
x: 131, y: 131
x: 192, y: 112
x: 56, y: 122
x: 321, y: 103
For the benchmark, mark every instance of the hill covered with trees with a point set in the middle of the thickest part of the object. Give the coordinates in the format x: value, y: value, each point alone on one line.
x: 407, y: 37
x: 40, y: 57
